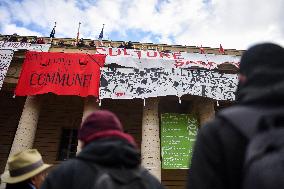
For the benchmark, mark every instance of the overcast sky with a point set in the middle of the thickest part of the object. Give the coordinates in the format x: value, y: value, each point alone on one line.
x: 235, y: 24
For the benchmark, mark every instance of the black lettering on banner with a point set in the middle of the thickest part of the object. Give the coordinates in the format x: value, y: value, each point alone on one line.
x: 87, y: 80
x: 67, y: 80
x: 40, y: 80
x: 57, y: 78
x: 79, y: 79
x: 61, y: 60
x: 49, y: 79
x: 83, y: 62
x: 31, y: 79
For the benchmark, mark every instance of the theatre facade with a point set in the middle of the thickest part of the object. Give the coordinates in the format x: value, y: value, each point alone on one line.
x: 161, y: 93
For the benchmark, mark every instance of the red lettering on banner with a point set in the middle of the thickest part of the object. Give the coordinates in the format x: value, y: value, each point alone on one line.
x: 138, y: 54
x: 188, y: 62
x: 163, y: 54
x: 200, y: 62
x: 112, y: 54
x: 211, y: 63
x: 179, y: 63
x: 98, y: 48
x: 120, y: 94
x: 60, y: 73
x: 125, y: 52
x: 177, y: 55
x: 154, y: 55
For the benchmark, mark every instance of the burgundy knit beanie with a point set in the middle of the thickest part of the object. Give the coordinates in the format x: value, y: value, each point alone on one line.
x: 101, y: 124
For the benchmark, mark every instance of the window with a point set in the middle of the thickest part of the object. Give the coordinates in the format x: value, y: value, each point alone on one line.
x: 68, y: 144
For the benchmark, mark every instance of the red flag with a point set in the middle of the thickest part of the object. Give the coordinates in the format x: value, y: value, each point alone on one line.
x: 60, y: 73
x: 201, y: 50
x: 221, y: 50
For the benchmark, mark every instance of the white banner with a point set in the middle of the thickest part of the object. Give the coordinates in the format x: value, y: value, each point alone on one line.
x: 19, y: 45
x: 5, y: 60
x: 154, y: 59
x: 126, y: 83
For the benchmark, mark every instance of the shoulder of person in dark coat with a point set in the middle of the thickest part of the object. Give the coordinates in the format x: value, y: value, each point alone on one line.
x: 152, y: 181
x: 69, y: 175
x: 75, y: 173
x: 218, y: 156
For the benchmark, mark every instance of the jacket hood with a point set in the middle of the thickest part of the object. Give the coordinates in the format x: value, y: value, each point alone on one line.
x: 111, y: 152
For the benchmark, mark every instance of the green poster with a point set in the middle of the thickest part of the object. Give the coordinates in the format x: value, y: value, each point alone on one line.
x: 178, y: 133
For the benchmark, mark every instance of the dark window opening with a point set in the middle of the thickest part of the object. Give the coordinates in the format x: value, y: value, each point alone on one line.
x: 68, y: 144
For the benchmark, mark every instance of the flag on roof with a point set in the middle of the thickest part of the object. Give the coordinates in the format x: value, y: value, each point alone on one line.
x: 52, y: 33
x: 201, y: 50
x: 78, y: 33
x: 221, y: 50
x: 101, y: 36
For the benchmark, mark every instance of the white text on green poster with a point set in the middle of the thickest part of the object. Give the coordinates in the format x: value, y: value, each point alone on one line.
x: 178, y: 133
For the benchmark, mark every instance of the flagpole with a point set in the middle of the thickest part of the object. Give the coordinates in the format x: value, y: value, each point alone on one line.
x: 78, y: 33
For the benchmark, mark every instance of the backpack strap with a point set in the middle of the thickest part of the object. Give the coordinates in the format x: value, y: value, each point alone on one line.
x: 244, y: 119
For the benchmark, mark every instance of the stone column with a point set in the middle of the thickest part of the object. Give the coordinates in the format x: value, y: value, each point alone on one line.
x: 150, y: 145
x: 90, y: 105
x: 26, y: 131
x: 205, y: 108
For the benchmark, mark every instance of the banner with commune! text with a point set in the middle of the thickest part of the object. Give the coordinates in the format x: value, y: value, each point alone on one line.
x: 60, y: 73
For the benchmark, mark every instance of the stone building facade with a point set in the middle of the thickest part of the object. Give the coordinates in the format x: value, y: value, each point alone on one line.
x: 49, y: 122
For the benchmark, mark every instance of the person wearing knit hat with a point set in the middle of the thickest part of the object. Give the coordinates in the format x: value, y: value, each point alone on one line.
x: 106, y: 149
x: 26, y: 170
x: 102, y: 124
x: 219, y: 155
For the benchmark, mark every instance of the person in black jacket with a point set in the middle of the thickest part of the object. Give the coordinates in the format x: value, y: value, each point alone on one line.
x: 104, y: 147
x: 219, y: 150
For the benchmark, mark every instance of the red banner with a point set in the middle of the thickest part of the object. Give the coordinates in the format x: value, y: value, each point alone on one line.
x: 60, y: 73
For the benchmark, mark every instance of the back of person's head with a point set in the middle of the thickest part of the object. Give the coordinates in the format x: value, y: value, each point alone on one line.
x: 102, y: 124
x: 262, y: 66
x: 261, y: 57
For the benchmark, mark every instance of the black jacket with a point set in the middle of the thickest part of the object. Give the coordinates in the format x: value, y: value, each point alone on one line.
x: 218, y: 157
x: 21, y: 185
x: 112, y: 153
x: 219, y: 150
